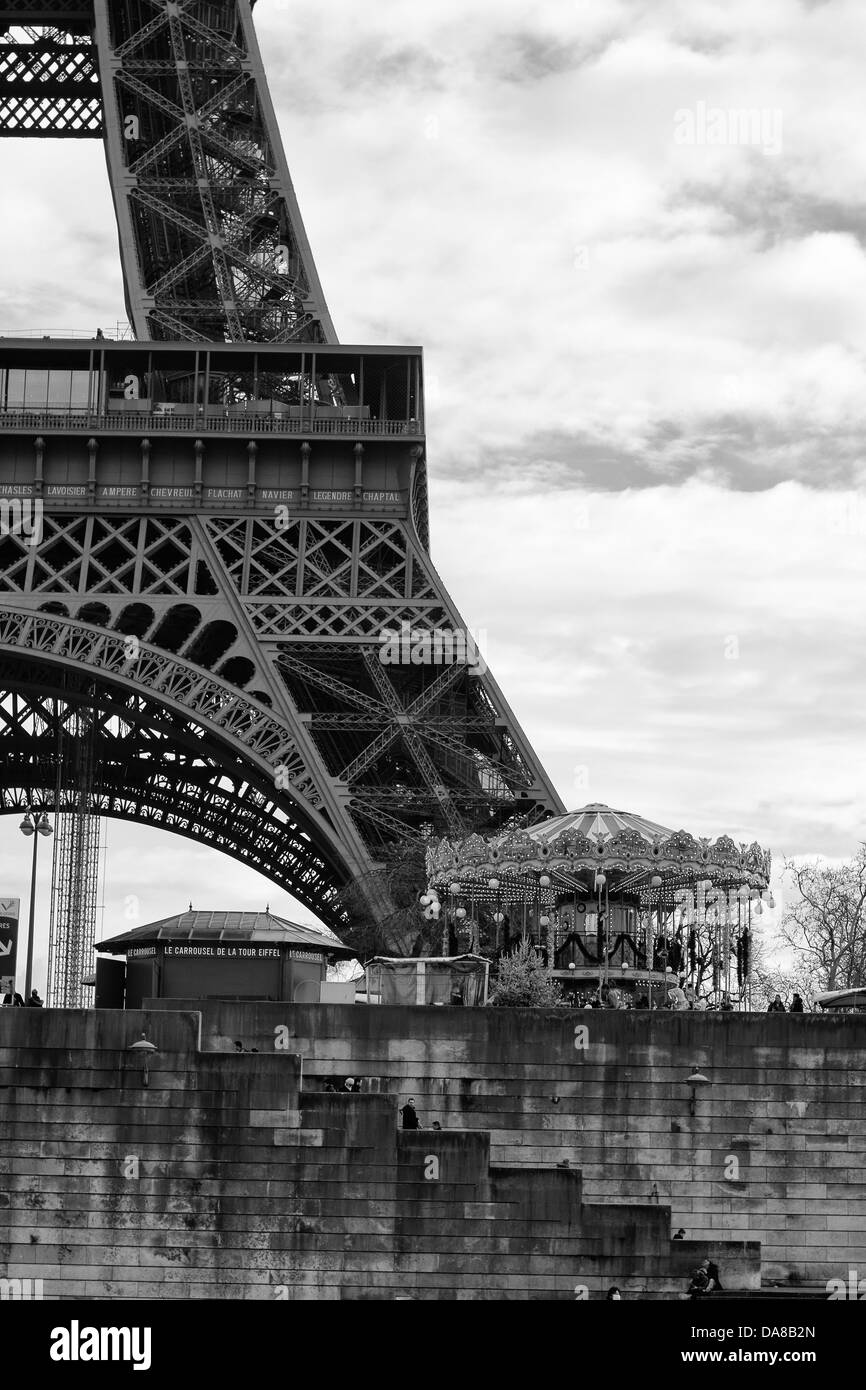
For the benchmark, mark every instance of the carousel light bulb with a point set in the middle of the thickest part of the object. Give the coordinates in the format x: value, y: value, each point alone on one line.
x: 600, y: 880
x: 544, y: 881
x: 771, y: 903
x: 461, y: 913
x: 454, y: 888
x: 425, y: 900
x: 499, y: 917
x: 493, y: 883
x: 742, y: 894
x: 656, y: 881
x: 544, y: 920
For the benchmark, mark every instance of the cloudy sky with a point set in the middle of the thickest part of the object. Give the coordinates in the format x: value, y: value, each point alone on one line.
x: 630, y: 237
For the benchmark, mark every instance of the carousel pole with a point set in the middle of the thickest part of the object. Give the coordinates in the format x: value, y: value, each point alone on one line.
x: 747, y: 958
x: 651, y: 950
x: 656, y: 927
x: 644, y: 921
x: 599, y: 888
x: 727, y: 944
x: 446, y: 906
x: 546, y: 918
x: 607, y: 931
x: 742, y: 980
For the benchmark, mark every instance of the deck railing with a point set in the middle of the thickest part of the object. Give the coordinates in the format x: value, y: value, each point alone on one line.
x: 176, y: 422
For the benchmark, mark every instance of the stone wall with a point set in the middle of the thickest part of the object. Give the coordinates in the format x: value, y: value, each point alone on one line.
x: 220, y: 1178
x: 774, y: 1153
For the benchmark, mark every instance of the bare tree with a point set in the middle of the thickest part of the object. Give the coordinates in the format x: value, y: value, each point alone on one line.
x: 825, y: 925
x: 772, y: 980
x: 382, y: 909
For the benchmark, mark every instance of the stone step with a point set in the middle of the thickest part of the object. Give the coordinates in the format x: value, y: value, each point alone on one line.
x: 782, y: 1293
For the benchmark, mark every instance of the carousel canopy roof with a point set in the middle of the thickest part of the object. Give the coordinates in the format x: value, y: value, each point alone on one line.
x: 598, y: 822
x: 573, y: 849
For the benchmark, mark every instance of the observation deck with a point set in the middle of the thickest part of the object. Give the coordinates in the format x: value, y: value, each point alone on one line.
x: 103, y: 424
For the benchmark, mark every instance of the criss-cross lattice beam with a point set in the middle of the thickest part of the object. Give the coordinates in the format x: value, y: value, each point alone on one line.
x: 158, y: 768
x: 212, y: 240
x: 399, y: 717
x: 49, y: 84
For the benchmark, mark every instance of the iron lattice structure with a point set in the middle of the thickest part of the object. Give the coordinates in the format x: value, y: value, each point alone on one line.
x: 76, y: 863
x: 233, y: 509
x: 255, y: 712
x: 211, y: 238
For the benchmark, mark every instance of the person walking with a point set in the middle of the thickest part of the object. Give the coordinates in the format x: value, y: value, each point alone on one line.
x: 777, y: 1007
x: 34, y: 1002
x: 797, y: 1005
x: 410, y: 1115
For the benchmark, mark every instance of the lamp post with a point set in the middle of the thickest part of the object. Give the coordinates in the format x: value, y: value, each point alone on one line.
x: 35, y: 823
x: 696, y: 1081
x: 147, y: 1050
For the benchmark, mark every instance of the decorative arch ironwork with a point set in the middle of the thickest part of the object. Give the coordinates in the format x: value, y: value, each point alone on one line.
x: 177, y: 747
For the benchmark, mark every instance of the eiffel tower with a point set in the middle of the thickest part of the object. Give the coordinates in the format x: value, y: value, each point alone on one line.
x: 215, y: 535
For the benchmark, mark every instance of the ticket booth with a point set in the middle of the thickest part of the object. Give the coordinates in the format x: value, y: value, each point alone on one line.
x: 218, y: 955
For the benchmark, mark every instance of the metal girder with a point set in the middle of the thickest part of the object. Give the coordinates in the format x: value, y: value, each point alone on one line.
x: 422, y: 745
x: 171, y: 115
x: 178, y: 102
x: 157, y: 769
x: 75, y: 868
x: 392, y: 827
x: 447, y: 731
x: 213, y: 248
x: 49, y: 85
x: 328, y: 682
x: 435, y: 783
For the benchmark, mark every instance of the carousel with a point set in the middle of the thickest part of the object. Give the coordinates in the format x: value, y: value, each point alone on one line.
x: 622, y: 910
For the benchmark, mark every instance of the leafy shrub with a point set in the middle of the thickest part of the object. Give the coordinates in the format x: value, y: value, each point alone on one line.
x: 523, y: 982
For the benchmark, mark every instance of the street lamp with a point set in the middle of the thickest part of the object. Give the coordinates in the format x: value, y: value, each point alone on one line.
x: 35, y: 823
x: 696, y: 1080
x: 147, y: 1050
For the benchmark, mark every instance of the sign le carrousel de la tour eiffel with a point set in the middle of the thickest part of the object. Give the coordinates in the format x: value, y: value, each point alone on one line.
x: 215, y: 533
